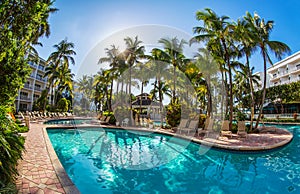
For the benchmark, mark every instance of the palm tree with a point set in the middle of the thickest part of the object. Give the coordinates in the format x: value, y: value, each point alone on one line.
x: 133, y: 52
x: 141, y: 72
x: 65, y: 84
x: 115, y: 60
x: 208, y: 67
x: 160, y: 88
x: 262, y: 30
x: 217, y: 33
x: 243, y: 34
x: 173, y: 54
x: 63, y: 54
x: 61, y: 57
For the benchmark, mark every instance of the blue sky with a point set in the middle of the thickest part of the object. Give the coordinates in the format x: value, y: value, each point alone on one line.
x: 87, y: 23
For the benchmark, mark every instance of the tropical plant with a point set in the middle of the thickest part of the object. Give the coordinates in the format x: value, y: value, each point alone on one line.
x: 63, y: 105
x: 58, y: 66
x: 261, y: 31
x: 217, y: 33
x: 173, y: 54
x: 11, y: 147
x: 22, y: 23
x: 132, y: 53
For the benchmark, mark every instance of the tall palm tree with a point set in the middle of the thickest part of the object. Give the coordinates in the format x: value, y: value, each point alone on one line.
x: 208, y: 67
x: 133, y: 52
x: 244, y: 35
x: 63, y: 56
x: 86, y: 88
x: 262, y: 30
x: 159, y: 70
x: 217, y: 33
x: 115, y: 60
x: 141, y: 72
x: 65, y: 81
x: 173, y: 54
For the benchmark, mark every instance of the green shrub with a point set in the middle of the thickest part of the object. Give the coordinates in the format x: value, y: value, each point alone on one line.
x: 63, y: 105
x: 173, y: 114
x: 11, y: 146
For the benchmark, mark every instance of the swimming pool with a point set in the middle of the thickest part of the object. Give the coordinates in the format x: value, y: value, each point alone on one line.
x: 122, y: 161
x: 67, y: 121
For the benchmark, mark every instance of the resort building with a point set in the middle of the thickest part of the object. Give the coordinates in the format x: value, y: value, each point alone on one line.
x: 285, y: 71
x: 33, y: 87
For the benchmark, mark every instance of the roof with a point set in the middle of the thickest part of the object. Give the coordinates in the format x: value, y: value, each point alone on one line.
x: 145, y: 102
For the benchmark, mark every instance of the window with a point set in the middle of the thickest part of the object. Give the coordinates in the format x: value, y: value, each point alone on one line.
x: 298, y: 66
x: 23, y: 106
x: 25, y: 94
x: 274, y: 75
x: 35, y: 96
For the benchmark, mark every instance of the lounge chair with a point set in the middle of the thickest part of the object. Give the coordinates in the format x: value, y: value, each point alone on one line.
x: 182, y: 124
x: 242, y: 129
x: 210, y: 130
x: 225, y: 129
x: 193, y: 126
x: 204, y: 129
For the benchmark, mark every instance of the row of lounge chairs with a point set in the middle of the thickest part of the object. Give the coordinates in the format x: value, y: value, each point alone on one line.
x: 188, y: 126
x: 36, y: 115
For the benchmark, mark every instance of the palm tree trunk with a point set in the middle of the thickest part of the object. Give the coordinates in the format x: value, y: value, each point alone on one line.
x: 251, y: 92
x: 174, y: 82
x: 160, y: 102
x: 264, y: 89
x: 131, y: 116
x: 110, y: 96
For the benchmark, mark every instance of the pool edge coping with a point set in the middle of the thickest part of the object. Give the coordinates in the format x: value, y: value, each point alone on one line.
x: 67, y: 184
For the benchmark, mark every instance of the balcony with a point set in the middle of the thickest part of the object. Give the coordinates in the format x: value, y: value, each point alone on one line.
x: 25, y: 98
x: 27, y: 86
x: 41, y: 68
x: 38, y: 89
x: 41, y: 79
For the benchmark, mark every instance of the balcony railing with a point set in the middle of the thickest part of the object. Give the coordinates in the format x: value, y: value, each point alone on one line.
x: 25, y: 98
x: 41, y: 79
x: 38, y: 89
x: 27, y: 86
x: 41, y: 68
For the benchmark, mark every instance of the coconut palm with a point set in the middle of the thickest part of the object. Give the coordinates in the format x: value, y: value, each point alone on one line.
x: 173, y: 54
x: 208, y: 67
x: 116, y: 63
x: 63, y: 56
x: 217, y: 33
x: 65, y: 77
x: 261, y: 31
x: 85, y: 87
x: 133, y: 52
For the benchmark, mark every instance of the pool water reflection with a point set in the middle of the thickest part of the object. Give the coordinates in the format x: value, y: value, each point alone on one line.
x: 122, y: 161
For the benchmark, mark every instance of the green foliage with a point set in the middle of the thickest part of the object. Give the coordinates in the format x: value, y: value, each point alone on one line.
x: 38, y: 105
x: 63, y: 105
x: 173, y: 113
x: 11, y: 147
x: 202, y: 118
x: 241, y: 116
x: 22, y: 23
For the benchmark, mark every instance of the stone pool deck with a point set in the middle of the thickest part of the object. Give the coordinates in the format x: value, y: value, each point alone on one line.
x: 41, y: 172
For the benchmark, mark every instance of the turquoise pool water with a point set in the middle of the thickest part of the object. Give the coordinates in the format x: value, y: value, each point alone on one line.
x: 119, y: 161
x: 67, y: 121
